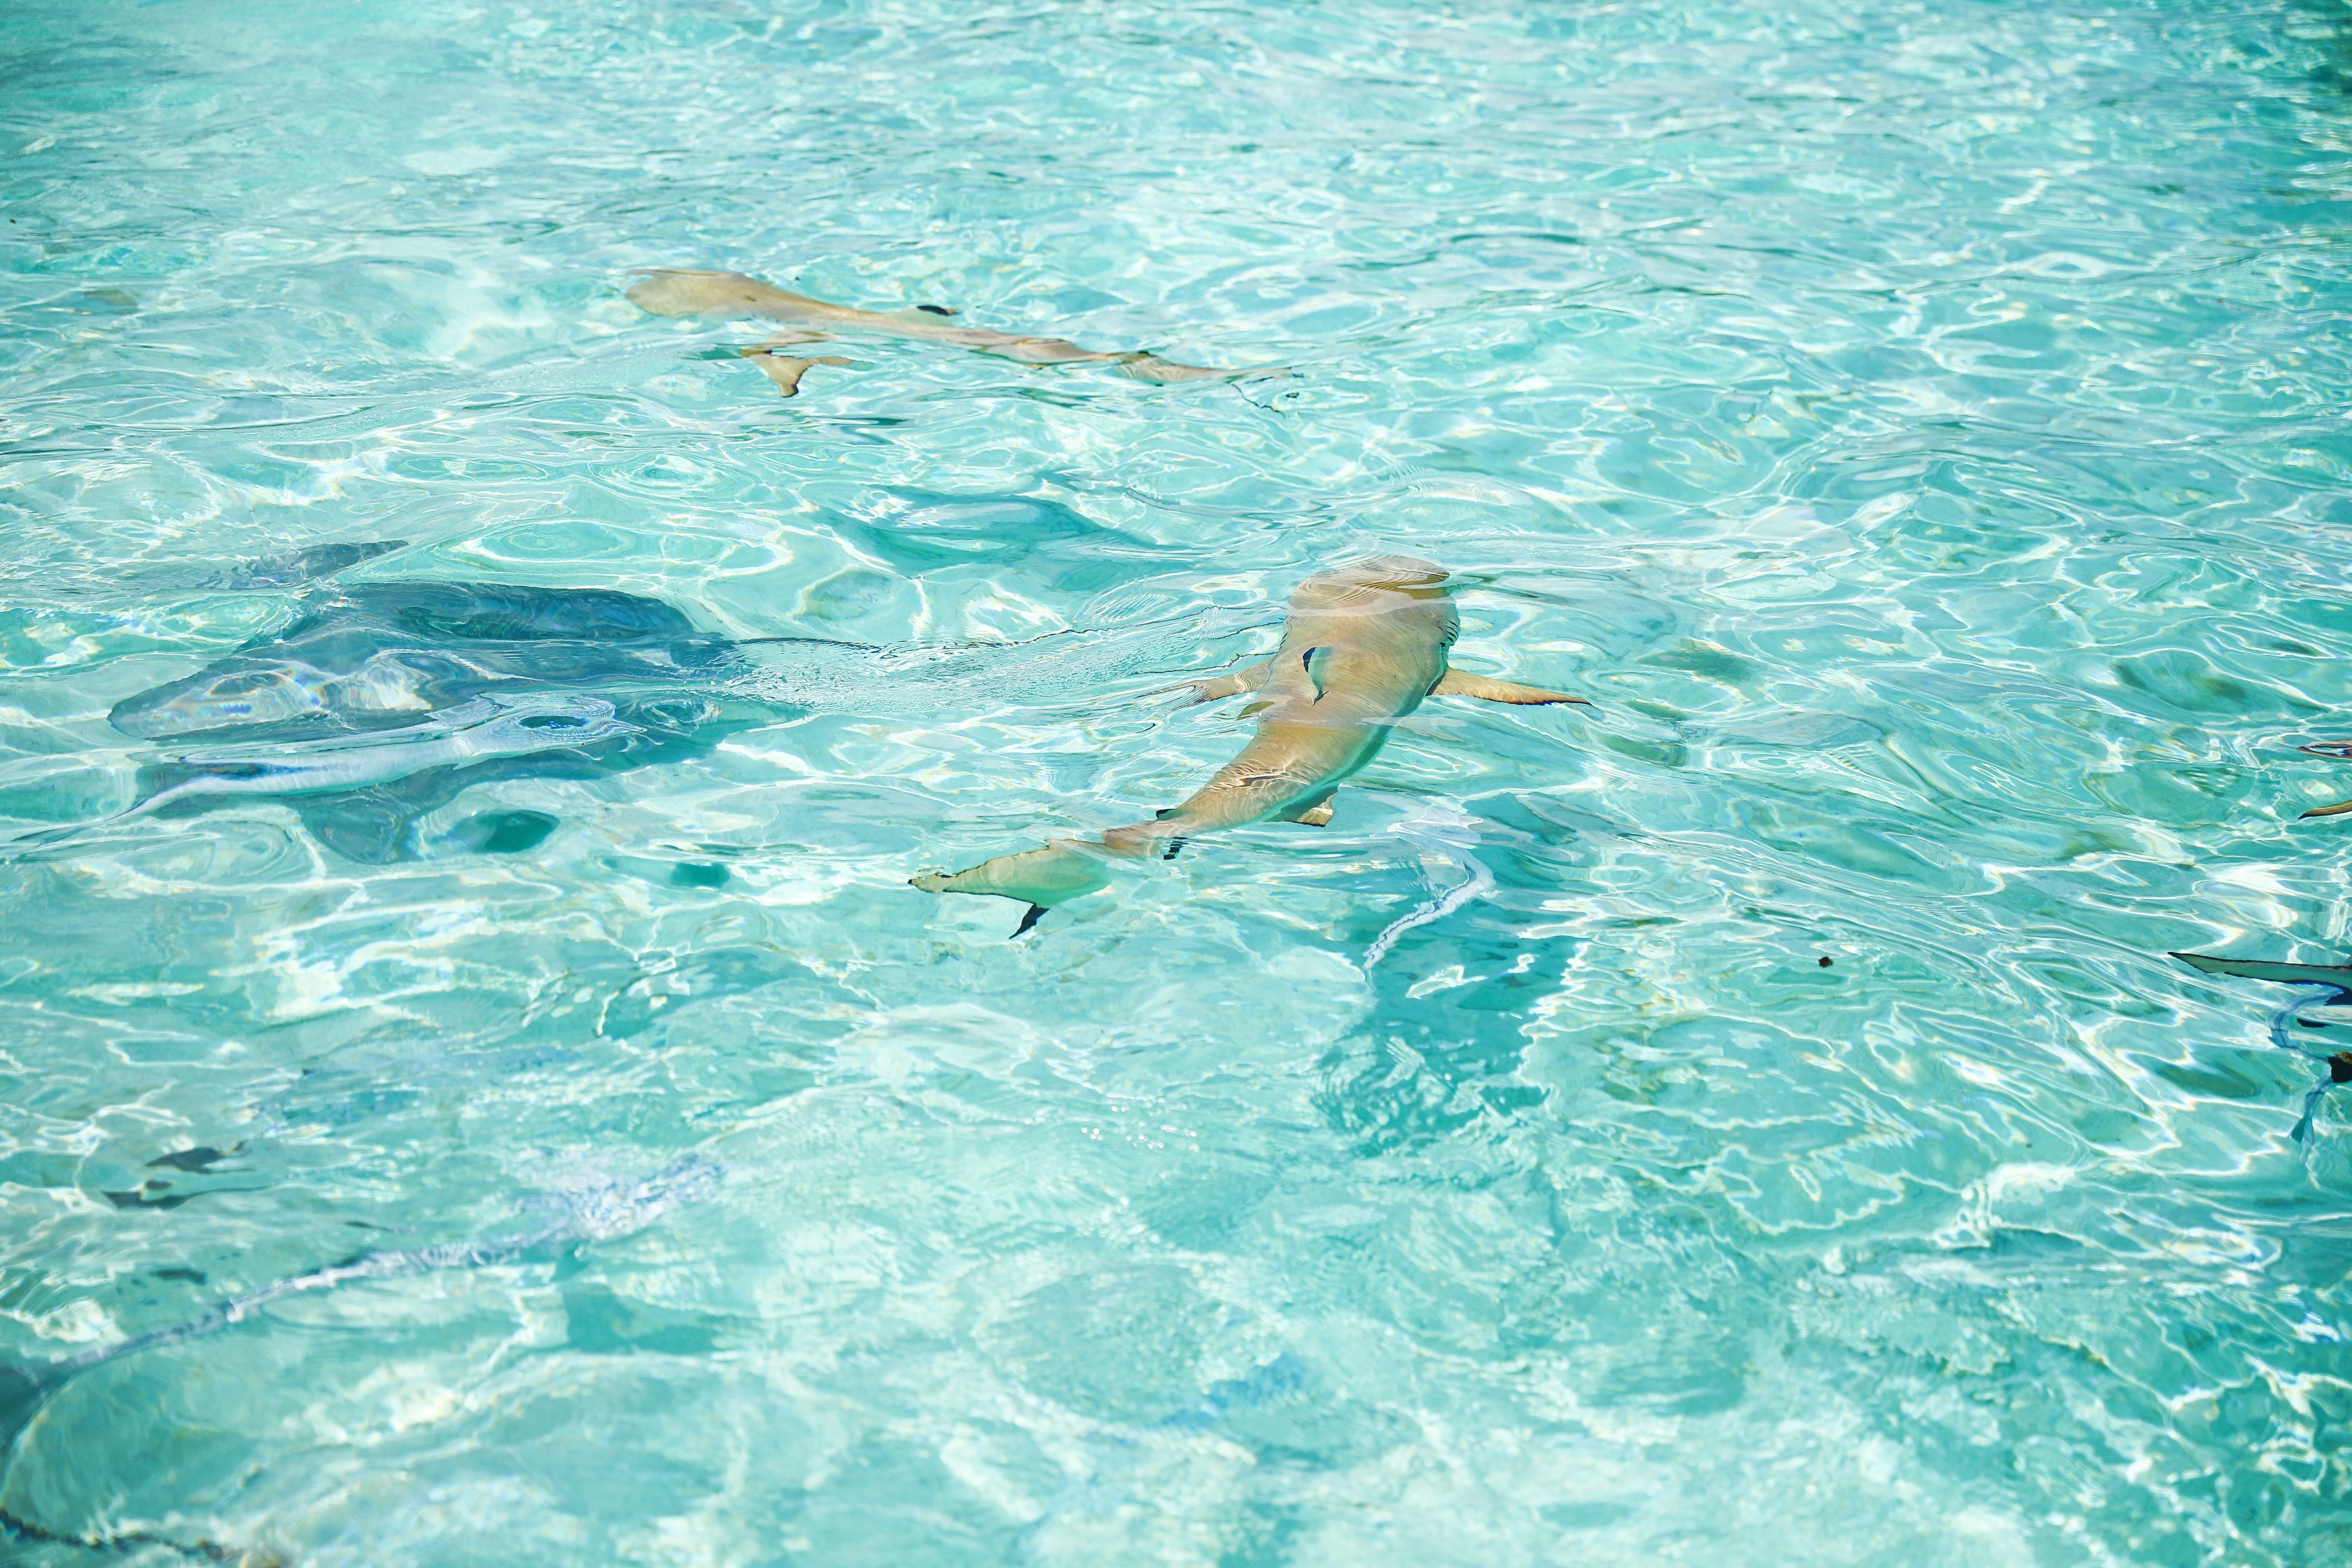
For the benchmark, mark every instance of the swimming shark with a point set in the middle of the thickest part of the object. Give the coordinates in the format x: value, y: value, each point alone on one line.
x: 1361, y: 648
x: 600, y: 1213
x: 677, y: 291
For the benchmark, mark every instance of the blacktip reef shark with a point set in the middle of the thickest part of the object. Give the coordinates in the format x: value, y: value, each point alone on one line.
x: 601, y: 1213
x: 670, y: 291
x: 1361, y: 648
x: 2336, y: 978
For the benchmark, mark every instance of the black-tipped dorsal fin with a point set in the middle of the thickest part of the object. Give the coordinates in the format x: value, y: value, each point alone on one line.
x: 1316, y: 662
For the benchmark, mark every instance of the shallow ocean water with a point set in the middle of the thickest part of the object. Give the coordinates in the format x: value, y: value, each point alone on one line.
x: 1919, y: 428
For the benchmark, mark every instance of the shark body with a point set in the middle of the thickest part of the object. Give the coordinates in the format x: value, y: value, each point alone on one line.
x: 1361, y: 648
x: 682, y: 292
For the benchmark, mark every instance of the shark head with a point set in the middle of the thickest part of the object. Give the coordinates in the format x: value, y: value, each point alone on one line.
x: 1368, y: 582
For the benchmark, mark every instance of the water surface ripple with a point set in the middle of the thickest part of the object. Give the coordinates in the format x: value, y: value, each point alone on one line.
x: 1919, y: 428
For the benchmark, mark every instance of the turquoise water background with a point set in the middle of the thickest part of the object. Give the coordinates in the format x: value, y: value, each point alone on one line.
x: 1919, y: 428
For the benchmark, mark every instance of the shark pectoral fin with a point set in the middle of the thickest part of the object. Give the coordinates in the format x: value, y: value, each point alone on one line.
x: 1046, y: 877
x: 1315, y: 811
x: 785, y: 373
x: 2338, y: 809
x: 1216, y: 689
x: 786, y: 370
x: 1461, y: 683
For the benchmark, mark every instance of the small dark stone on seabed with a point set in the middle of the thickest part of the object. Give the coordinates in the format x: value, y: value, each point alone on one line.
x: 2339, y: 1067
x: 1825, y: 963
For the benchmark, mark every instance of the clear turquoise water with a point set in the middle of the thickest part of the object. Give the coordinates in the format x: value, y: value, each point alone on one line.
x: 1920, y: 428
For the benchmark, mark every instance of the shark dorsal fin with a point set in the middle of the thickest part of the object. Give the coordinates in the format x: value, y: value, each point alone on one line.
x: 1316, y: 662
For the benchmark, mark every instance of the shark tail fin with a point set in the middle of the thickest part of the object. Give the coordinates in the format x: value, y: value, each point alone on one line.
x: 1041, y: 877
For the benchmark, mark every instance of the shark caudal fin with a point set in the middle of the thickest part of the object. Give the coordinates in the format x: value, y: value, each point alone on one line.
x: 1041, y: 878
